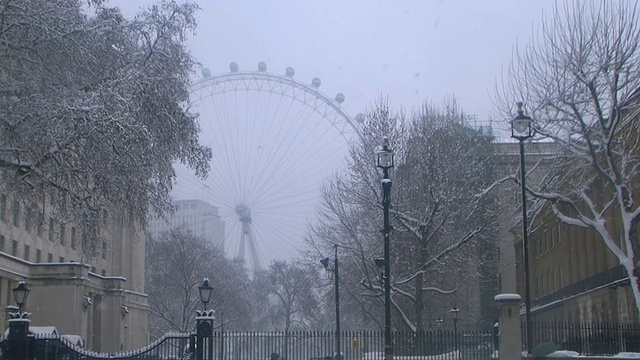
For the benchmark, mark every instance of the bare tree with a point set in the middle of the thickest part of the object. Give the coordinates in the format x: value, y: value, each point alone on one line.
x: 292, y: 286
x: 580, y: 78
x: 440, y: 167
x: 176, y: 264
x: 92, y: 107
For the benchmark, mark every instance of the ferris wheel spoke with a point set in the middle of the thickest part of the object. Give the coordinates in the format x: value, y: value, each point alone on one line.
x: 274, y: 140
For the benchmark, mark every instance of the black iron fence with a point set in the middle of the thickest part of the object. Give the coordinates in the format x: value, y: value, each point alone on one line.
x: 49, y: 347
x: 356, y: 345
x: 586, y: 338
x: 303, y: 345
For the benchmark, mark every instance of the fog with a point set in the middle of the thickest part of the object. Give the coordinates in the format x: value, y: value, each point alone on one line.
x: 404, y: 51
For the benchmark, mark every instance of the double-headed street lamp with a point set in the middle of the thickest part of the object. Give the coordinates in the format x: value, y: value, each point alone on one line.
x: 385, y: 162
x: 522, y: 129
x: 334, y: 270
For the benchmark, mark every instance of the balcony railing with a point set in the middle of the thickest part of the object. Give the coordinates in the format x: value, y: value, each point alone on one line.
x: 609, y: 277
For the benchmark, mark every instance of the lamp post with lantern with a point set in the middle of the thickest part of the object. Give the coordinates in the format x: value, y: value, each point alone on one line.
x: 16, y: 346
x: 455, y: 312
x: 334, y: 270
x: 204, y: 324
x: 522, y: 129
x: 385, y: 162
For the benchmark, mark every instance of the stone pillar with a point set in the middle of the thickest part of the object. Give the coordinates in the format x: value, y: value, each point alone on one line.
x: 509, y: 322
x: 204, y: 335
x: 17, y: 344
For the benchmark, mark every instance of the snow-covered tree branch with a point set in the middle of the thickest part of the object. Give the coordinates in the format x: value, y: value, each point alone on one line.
x: 580, y: 79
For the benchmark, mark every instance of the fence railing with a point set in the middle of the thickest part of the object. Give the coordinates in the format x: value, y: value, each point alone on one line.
x: 303, y: 345
x: 587, y: 338
x: 584, y: 338
x: 355, y: 345
x: 54, y: 347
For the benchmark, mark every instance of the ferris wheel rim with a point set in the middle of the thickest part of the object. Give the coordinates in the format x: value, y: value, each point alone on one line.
x: 235, y: 76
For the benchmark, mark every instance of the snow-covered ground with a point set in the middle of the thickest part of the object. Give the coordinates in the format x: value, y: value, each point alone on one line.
x: 573, y: 354
x: 456, y: 355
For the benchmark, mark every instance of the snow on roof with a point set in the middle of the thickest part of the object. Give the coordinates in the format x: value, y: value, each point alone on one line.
x: 507, y: 297
x: 74, y: 339
x: 37, y: 330
x: 43, y: 330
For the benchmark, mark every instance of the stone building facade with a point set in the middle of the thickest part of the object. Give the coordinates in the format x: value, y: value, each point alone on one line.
x: 101, y: 299
x: 574, y: 277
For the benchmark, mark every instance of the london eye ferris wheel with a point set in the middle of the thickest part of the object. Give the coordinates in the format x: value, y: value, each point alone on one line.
x: 274, y: 140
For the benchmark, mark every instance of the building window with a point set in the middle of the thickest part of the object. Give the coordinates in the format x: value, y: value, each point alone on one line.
x: 539, y: 243
x: 38, y: 255
x: 2, y: 243
x: 93, y: 269
x: 27, y: 252
x: 104, y: 272
x: 39, y: 225
x: 14, y: 247
x: 49, y: 257
x: 74, y: 237
x: 61, y: 259
x: 104, y: 249
x: 105, y: 217
x: 62, y: 234
x: 3, y: 207
x: 52, y: 228
x: 16, y: 213
x: 28, y: 213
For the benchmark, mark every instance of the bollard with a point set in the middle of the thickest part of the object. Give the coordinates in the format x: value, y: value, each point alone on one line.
x: 510, y: 341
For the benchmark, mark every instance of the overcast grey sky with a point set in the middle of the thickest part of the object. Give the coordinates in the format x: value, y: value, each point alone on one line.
x: 405, y: 50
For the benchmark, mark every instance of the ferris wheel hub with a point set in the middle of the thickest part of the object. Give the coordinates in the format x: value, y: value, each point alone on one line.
x: 244, y: 213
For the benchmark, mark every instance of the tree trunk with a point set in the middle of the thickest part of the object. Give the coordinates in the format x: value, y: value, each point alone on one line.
x: 419, y: 303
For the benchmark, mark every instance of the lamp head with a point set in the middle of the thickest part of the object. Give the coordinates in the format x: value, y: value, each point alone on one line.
x: 385, y: 155
x: 455, y: 311
x: 21, y: 293
x: 325, y: 263
x: 521, y: 125
x: 205, y: 291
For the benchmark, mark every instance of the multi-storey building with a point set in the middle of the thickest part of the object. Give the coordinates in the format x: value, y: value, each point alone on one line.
x: 573, y: 275
x: 100, y: 298
x: 198, y: 216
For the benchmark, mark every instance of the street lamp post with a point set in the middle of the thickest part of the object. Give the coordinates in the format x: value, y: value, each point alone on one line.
x: 17, y: 343
x: 222, y: 335
x: 440, y: 321
x: 385, y: 162
x: 522, y: 130
x: 325, y: 263
x: 455, y: 312
x: 204, y: 324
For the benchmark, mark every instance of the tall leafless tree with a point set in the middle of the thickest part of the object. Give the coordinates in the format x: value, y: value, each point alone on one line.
x: 176, y: 263
x: 440, y: 166
x: 92, y: 107
x: 580, y: 79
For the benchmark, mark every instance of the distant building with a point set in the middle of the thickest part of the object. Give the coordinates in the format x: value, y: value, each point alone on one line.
x: 199, y: 216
